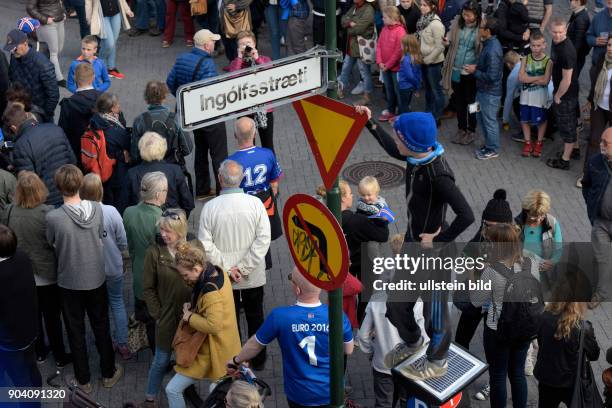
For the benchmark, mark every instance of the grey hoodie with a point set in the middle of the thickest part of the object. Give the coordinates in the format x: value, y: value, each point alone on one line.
x: 76, y: 231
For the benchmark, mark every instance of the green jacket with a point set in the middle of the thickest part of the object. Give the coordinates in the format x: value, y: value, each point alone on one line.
x: 140, y: 223
x: 363, y: 17
x: 165, y: 292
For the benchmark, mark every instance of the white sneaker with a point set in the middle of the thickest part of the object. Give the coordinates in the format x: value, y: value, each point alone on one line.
x: 358, y: 90
x: 282, y: 40
x: 484, y: 393
x: 579, y: 181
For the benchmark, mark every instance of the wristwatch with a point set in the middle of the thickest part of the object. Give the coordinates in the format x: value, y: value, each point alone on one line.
x: 235, y: 362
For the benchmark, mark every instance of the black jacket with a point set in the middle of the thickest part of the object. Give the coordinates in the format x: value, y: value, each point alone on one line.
x: 42, y: 148
x: 179, y: 195
x: 430, y: 189
x: 75, y: 114
x: 507, y: 36
x: 557, y: 361
x: 36, y: 73
x: 577, y: 28
x: 4, y: 83
x: 594, y: 184
x: 593, y: 75
x: 359, y: 229
x: 43, y: 9
x: 411, y: 16
x: 18, y: 303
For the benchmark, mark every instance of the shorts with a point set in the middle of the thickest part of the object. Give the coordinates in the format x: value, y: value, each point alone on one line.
x: 566, y: 119
x: 533, y: 115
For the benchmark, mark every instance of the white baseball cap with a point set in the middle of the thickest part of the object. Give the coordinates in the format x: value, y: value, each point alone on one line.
x: 204, y: 36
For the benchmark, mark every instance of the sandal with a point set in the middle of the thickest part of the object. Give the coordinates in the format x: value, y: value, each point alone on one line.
x: 166, y: 44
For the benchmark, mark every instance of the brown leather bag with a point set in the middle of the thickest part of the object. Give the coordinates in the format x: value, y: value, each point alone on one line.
x: 198, y: 7
x: 236, y: 22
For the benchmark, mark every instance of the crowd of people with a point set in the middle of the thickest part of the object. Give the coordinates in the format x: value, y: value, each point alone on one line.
x: 81, y: 198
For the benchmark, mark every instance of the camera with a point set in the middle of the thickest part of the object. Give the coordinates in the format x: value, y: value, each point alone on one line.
x: 247, y: 57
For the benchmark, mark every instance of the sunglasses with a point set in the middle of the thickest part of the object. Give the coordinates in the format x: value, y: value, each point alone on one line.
x: 172, y: 215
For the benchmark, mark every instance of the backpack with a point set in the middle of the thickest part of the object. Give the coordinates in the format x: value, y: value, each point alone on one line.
x: 94, y: 157
x: 523, y: 305
x: 178, y: 145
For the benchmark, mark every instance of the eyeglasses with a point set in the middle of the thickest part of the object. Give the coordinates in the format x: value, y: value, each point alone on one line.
x: 172, y: 215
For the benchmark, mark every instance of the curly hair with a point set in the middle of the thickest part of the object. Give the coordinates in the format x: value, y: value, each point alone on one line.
x: 189, y: 256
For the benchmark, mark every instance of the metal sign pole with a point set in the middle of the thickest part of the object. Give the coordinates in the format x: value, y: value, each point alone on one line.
x: 336, y: 345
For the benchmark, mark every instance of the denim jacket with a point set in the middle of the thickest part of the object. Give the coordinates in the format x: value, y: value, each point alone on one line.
x: 490, y: 67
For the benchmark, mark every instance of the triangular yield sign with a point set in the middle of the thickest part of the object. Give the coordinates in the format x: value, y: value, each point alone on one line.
x: 332, y: 128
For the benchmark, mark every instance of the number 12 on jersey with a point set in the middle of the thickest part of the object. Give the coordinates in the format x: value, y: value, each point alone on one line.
x: 308, y: 343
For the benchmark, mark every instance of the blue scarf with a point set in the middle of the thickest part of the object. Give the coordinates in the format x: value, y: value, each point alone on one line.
x: 438, y: 151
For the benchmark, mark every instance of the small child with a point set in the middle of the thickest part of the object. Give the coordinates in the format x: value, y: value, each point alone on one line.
x: 377, y: 336
x: 512, y: 61
x: 371, y: 204
x: 409, y: 75
x: 534, y: 76
x: 388, y: 56
x: 89, y: 47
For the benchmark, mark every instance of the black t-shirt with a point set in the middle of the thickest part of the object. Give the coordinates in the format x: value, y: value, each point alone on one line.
x: 564, y: 57
x: 109, y: 7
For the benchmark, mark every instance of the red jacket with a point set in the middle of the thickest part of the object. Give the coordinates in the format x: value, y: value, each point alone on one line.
x: 389, y: 47
x: 350, y: 289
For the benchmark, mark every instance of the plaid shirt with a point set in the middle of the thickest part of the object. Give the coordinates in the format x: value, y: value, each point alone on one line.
x: 300, y: 10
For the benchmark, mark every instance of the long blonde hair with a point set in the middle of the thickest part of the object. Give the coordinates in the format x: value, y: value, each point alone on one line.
x: 394, y: 14
x: 412, y: 47
x: 570, y: 315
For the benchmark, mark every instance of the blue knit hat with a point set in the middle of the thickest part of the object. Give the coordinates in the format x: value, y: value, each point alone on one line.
x: 417, y: 130
x: 28, y: 24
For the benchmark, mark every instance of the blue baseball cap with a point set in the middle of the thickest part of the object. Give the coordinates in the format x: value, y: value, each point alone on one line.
x: 13, y: 39
x: 28, y: 24
x: 417, y: 131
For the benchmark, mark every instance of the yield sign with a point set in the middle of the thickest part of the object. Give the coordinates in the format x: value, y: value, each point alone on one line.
x: 332, y: 128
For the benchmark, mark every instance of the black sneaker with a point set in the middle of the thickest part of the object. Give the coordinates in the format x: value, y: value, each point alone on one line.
x: 63, y: 362
x: 135, y: 32
x: 154, y: 32
x: 575, y: 154
x: 558, y: 163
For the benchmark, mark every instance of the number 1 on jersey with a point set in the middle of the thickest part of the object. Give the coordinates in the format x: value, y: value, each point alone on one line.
x: 309, y: 343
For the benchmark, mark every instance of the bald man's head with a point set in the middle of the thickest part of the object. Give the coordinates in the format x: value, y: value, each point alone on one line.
x: 307, y: 289
x: 245, y: 129
x: 606, y: 143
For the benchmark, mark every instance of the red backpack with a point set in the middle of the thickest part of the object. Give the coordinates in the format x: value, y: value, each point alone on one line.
x: 93, y: 154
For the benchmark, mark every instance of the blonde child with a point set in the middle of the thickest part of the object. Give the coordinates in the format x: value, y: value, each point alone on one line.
x: 409, y: 75
x: 371, y: 203
x: 377, y: 336
x: 89, y: 47
x: 388, y: 56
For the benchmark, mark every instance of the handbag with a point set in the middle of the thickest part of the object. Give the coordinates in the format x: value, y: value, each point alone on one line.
x: 367, y: 48
x: 235, y: 22
x: 586, y: 394
x: 137, y: 335
x: 198, y: 7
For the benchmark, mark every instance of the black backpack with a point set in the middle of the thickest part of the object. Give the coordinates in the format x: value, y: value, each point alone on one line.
x: 523, y: 305
x: 178, y: 145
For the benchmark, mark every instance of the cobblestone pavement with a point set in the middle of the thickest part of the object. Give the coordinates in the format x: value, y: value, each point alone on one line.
x: 142, y: 59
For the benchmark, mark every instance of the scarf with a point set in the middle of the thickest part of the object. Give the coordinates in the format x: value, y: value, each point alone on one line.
x: 432, y: 155
x: 602, y: 81
x: 423, y: 22
x: 113, y: 119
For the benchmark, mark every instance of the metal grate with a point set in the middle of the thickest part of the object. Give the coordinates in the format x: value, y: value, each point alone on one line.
x: 457, y: 367
x: 389, y: 175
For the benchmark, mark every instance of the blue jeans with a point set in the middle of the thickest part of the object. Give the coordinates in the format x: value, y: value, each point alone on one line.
x: 175, y: 388
x: 405, y: 97
x: 364, y: 71
x: 210, y: 20
x: 108, y: 45
x: 272, y: 14
x: 487, y: 119
x: 505, y: 361
x: 159, y: 365
x: 391, y: 90
x: 434, y: 94
x: 114, y: 287
x: 146, y: 9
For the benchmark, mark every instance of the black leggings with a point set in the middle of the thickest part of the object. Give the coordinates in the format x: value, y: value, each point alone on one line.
x: 551, y: 397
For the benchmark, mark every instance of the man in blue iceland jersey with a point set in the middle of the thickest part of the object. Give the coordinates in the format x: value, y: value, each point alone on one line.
x: 261, y: 174
x: 302, y: 331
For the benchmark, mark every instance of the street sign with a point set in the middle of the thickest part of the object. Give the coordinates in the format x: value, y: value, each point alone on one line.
x: 253, y: 89
x: 451, y: 403
x: 332, y: 128
x: 316, y: 241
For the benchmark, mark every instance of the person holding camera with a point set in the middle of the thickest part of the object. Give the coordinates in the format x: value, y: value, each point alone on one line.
x: 248, y: 56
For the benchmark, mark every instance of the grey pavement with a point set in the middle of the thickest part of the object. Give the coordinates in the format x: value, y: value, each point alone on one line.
x: 142, y: 59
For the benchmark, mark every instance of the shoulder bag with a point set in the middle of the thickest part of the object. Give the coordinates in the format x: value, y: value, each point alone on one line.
x: 586, y: 394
